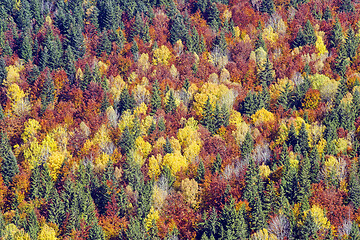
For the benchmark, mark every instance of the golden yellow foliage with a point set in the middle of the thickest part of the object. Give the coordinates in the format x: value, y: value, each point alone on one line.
x: 158, y: 197
x: 142, y: 149
x: 341, y: 145
x: 262, y: 116
x: 320, y: 46
x: 47, y: 233
x: 19, y: 103
x: 102, y: 160
x: 241, y: 129
x: 102, y: 67
x: 189, y: 139
x: 277, y: 88
x: 153, y: 216
x: 190, y: 189
x: 12, y: 232
x: 31, y: 129
x: 282, y: 134
x: 155, y: 166
x: 270, y: 35
x: 143, y: 62
x: 133, y: 76
x: 117, y: 85
x: 141, y: 95
x: 175, y: 161
x: 325, y: 85
x: 161, y: 55
x: 127, y: 120
x: 224, y: 75
x: 55, y: 162
x: 13, y: 74
x: 331, y: 164
x: 145, y: 124
x: 264, y: 170
x: 319, y: 216
x: 321, y: 146
x: 294, y: 163
x: 315, y: 133
x: 175, y: 144
x: 263, y: 235
x: 173, y: 71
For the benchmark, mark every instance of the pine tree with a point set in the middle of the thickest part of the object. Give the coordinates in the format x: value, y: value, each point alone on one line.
x: 26, y: 49
x: 200, y: 174
x: 303, y: 140
x: 2, y: 115
x: 75, y: 40
x: 351, y: 43
x: 247, y: 146
x: 170, y: 104
x: 220, y: 44
x: 341, y: 61
x: 56, y: 208
x: 216, y: 168
x: 178, y: 30
x: 266, y: 75
x: 208, y: 116
x: 292, y: 136
x: 284, y: 155
x: 289, y: 183
x: 336, y: 35
x: 32, y: 226
x: 3, y: 71
x: 284, y: 99
x: 127, y: 142
x: 161, y: 125
x: 35, y: 183
x: 167, y: 146
x: 315, y: 164
x: 69, y: 67
x: 300, y: 39
x: 304, y: 177
x: 354, y: 188
x: 260, y: 43
x: 347, y: 6
x: 249, y: 106
x: 135, y: 50
x: 213, y: 16
x: 9, y: 167
x: 47, y: 93
x: 44, y: 58
x: 105, y: 44
x: 127, y: 101
x: 327, y: 14
x: 267, y: 6
x: 155, y: 98
x: 106, y: 16
x: 309, y: 32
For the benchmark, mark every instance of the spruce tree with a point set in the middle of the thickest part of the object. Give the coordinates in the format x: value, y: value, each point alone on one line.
x: 44, y: 58
x: 200, y: 172
x: 315, y: 164
x: 216, y: 168
x: 213, y: 16
x: 106, y: 16
x: 32, y: 226
x: 266, y: 75
x: 167, y: 146
x: 303, y: 140
x: 327, y: 14
x: 354, y: 232
x: 304, y: 179
x: 9, y: 167
x: 155, y: 98
x: 178, y: 30
x: 247, y: 146
x: 127, y: 142
x: 336, y: 35
x: 135, y: 50
x: 208, y: 116
x: 3, y: 71
x: 35, y: 183
x: 47, y: 93
x: 170, y: 104
x: 354, y: 188
x: 2, y: 115
x: 127, y: 101
x: 105, y: 45
x: 260, y: 43
x: 292, y: 136
x: 267, y: 6
x: 300, y: 39
x: 26, y: 49
x: 341, y: 61
x: 351, y: 43
x: 309, y: 32
x: 347, y: 6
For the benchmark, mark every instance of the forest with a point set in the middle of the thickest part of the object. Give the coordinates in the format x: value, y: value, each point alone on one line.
x: 179, y: 119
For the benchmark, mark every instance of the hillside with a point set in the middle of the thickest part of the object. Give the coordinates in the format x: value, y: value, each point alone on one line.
x: 179, y: 119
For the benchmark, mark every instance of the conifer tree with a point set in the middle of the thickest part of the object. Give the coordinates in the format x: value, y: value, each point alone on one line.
x: 354, y: 232
x: 3, y: 71
x: 178, y: 30
x: 351, y: 43
x: 354, y: 188
x: 69, y: 67
x: 32, y: 226
x: 303, y: 140
x: 35, y: 183
x: 300, y: 39
x: 135, y: 50
x: 208, y: 116
x: 260, y: 43
x: 167, y: 146
x: 304, y: 177
x: 161, y: 125
x: 170, y: 104
x: 347, y: 6
x: 341, y: 61
x: 266, y: 75
x: 48, y: 93
x: 267, y: 6
x: 56, y: 208
x: 292, y: 136
x: 327, y: 14
x: 44, y: 58
x: 200, y: 172
x: 127, y: 101
x: 26, y: 49
x: 106, y: 16
x: 315, y: 164
x: 216, y: 168
x: 336, y: 35
x: 247, y: 146
x: 105, y: 44
x: 309, y: 32
x: 2, y: 115
x: 213, y: 16
x: 9, y: 167
x: 155, y: 98
x: 127, y: 141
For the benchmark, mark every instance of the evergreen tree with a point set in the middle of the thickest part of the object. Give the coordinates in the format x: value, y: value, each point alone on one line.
x: 216, y: 168
x: 106, y: 16
x: 267, y: 6
x: 351, y: 43
x: 69, y: 67
x: 208, y: 116
x: 354, y: 232
x: 289, y: 183
x: 284, y: 155
x: 213, y: 16
x: 44, y: 58
x: 3, y: 71
x: 105, y: 44
x: 167, y: 146
x: 170, y: 104
x: 266, y: 75
x: 9, y: 167
x: 292, y: 136
x: 2, y: 115
x: 26, y: 49
x: 315, y: 164
x: 327, y: 14
x: 75, y: 40
x: 127, y: 142
x: 250, y: 104
x: 284, y: 99
x: 336, y: 35
x: 161, y: 125
x: 247, y: 146
x: 341, y: 61
x: 47, y: 93
x: 309, y: 32
x: 35, y: 183
x: 135, y: 50
x: 304, y: 177
x: 251, y: 179
x: 220, y: 44
x: 260, y: 43
x: 127, y: 101
x: 32, y: 226
x: 347, y: 6
x: 56, y: 208
x: 155, y: 98
x: 354, y: 188
x: 178, y: 30
x: 300, y: 39
x: 303, y: 140
x: 200, y: 172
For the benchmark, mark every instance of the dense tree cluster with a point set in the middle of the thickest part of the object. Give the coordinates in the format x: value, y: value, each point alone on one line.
x: 167, y: 119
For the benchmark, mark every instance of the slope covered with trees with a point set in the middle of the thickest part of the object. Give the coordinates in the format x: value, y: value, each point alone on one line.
x: 173, y: 119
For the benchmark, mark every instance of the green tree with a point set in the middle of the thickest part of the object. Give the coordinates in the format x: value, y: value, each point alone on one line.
x: 35, y: 183
x: 167, y: 146
x: 266, y: 74
x: 155, y: 98
x: 69, y: 66
x: 327, y: 14
x: 56, y: 208
x: 354, y: 188
x: 300, y: 39
x: 127, y: 101
x: 247, y: 146
x: 213, y: 16
x: 304, y: 179
x: 267, y: 6
x: 135, y: 50
x: 178, y: 30
x: 9, y: 167
x: 351, y: 43
x: 354, y: 232
x: 315, y: 164
x: 336, y: 35
x: 260, y: 43
x: 127, y: 142
x: 200, y: 172
x: 341, y: 61
x: 208, y: 116
x: 32, y: 225
x: 303, y: 140
x: 309, y: 32
x: 3, y: 71
x: 26, y: 49
x: 105, y: 44
x: 106, y: 16
x: 47, y: 93
x: 216, y: 167
x: 44, y: 58
x: 347, y: 6
x: 170, y: 104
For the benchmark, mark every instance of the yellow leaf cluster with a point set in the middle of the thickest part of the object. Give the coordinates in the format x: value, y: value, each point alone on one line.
x: 331, y: 164
x: 315, y: 133
x: 190, y: 189
x: 145, y: 124
x: 141, y: 94
x: 161, y: 55
x: 127, y: 120
x: 155, y: 166
x: 143, y: 61
x: 15, y: 93
x: 241, y: 129
x: 262, y: 116
x: 294, y: 163
x: 270, y: 35
x: 319, y: 216
x: 175, y: 144
x: 189, y: 139
x: 175, y: 161
x: 341, y: 145
x: 55, y: 162
x: 31, y: 129
x: 321, y: 146
x: 142, y: 149
x: 235, y: 118
x: 325, y: 85
x: 263, y: 234
x: 320, y: 46
x: 208, y: 90
x: 153, y: 216
x: 111, y: 116
x: 264, y: 170
x: 277, y: 88
x: 102, y: 67
x: 282, y: 134
x: 173, y: 71
x: 13, y: 74
x: 159, y: 144
x: 47, y: 233
x: 12, y: 232
x: 158, y: 197
x: 117, y: 85
x: 141, y: 109
x: 102, y: 160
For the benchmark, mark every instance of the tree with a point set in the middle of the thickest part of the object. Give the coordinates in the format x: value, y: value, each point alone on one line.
x: 309, y: 32
x: 208, y: 116
x: 69, y: 67
x: 267, y: 6
x: 336, y: 35
x: 247, y: 146
x: 106, y: 16
x: 170, y: 104
x: 9, y: 167
x: 168, y: 147
x: 3, y: 71
x: 105, y: 44
x: 304, y: 177
x: 216, y: 167
x: 354, y: 232
x: 266, y: 74
x: 32, y: 225
x: 347, y: 6
x: 300, y: 39
x: 315, y: 164
x: 47, y: 93
x: 303, y: 139
x: 327, y: 14
x: 155, y: 98
x: 178, y: 30
x: 200, y: 172
x: 44, y: 58
x: 213, y: 16
x: 354, y: 188
x: 127, y: 101
x: 341, y: 61
x: 351, y: 43
x: 26, y: 49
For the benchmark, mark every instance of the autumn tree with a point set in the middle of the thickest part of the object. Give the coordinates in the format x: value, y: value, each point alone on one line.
x: 9, y: 167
